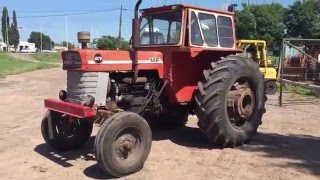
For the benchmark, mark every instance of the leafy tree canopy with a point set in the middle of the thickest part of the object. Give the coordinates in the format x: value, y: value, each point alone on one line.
x: 14, y: 36
x: 70, y: 45
x: 110, y: 43
x: 263, y: 22
x: 35, y: 37
x: 303, y: 19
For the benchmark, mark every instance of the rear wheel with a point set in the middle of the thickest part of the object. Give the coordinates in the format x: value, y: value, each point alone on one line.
x: 123, y: 144
x: 230, y: 101
x: 67, y: 132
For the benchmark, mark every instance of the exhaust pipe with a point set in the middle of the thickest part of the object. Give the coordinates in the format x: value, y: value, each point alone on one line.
x: 84, y: 39
x: 136, y: 26
x: 136, y: 41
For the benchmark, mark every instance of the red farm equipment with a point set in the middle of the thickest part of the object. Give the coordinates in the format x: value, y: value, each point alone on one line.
x: 184, y: 60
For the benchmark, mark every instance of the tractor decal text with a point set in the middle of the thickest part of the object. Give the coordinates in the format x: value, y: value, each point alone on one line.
x: 150, y: 61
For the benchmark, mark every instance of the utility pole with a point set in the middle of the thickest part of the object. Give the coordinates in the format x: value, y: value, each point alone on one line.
x: 67, y: 38
x: 41, y: 37
x: 120, y: 28
x: 7, y: 32
x: 225, y: 5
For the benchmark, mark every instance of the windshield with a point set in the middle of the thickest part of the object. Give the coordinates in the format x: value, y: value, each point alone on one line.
x: 161, y: 28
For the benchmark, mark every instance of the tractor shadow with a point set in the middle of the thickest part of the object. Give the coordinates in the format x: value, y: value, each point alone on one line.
x: 186, y: 136
x: 85, y: 153
x: 301, y: 151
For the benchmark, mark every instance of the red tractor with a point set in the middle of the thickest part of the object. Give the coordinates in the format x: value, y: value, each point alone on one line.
x: 184, y: 60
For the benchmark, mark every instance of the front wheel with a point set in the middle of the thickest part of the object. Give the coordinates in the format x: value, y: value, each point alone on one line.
x: 123, y: 144
x: 231, y: 101
x: 67, y: 132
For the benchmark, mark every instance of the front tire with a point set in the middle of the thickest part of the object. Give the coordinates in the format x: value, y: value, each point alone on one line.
x: 123, y: 144
x: 66, y: 135
x: 231, y: 101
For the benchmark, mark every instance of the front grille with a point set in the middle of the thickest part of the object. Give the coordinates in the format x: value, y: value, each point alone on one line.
x: 81, y: 84
x: 71, y: 60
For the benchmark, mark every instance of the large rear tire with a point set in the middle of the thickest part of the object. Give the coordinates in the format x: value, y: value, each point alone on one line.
x: 67, y: 134
x: 123, y: 144
x: 231, y: 101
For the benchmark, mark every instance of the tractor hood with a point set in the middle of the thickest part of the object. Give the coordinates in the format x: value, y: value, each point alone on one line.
x: 110, y: 60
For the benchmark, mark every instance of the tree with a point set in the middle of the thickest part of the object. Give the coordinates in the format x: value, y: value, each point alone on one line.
x: 5, y: 24
x: 35, y: 37
x: 14, y: 37
x: 70, y: 45
x: 110, y: 43
x: 246, y: 25
x: 303, y: 19
x: 262, y: 22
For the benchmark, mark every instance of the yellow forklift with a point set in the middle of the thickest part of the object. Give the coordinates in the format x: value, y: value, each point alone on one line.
x: 257, y: 50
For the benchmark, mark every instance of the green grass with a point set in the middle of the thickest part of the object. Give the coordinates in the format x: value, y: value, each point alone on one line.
x: 48, y: 57
x: 301, y: 90
x: 10, y: 65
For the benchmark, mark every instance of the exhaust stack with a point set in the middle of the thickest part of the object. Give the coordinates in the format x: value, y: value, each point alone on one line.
x: 84, y: 39
x: 135, y: 41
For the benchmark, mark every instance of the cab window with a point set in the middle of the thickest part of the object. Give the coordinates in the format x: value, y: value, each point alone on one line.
x: 161, y: 28
x: 209, y: 29
x: 196, y: 37
x: 225, y: 31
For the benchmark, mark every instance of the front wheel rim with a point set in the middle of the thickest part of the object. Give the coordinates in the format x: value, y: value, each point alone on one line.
x: 127, y: 146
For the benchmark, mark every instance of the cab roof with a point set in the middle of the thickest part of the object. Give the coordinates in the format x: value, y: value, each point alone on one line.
x: 182, y: 6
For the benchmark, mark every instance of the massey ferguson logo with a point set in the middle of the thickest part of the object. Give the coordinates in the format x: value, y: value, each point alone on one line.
x: 98, y: 58
x: 154, y: 59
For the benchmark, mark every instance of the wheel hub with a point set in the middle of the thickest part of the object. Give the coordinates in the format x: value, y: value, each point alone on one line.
x: 244, y: 101
x: 127, y: 145
x: 124, y: 145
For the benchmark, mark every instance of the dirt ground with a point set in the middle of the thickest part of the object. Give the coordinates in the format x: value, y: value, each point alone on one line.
x: 286, y: 147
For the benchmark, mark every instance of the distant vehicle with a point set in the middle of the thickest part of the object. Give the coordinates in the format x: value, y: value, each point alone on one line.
x: 28, y: 50
x: 26, y: 47
x: 257, y: 50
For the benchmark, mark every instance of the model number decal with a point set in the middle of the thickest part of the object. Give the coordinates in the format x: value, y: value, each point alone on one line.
x: 154, y: 59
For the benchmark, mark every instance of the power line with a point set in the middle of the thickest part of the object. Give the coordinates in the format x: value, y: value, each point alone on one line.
x: 54, y: 11
x: 61, y: 11
x: 68, y: 14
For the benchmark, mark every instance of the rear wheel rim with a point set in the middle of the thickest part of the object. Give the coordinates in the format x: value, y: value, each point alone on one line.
x: 241, y: 102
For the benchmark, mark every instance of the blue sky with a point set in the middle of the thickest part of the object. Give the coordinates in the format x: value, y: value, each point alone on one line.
x: 100, y: 23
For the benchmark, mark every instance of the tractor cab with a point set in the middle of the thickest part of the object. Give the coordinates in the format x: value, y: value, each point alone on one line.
x: 187, y: 26
x: 187, y: 36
